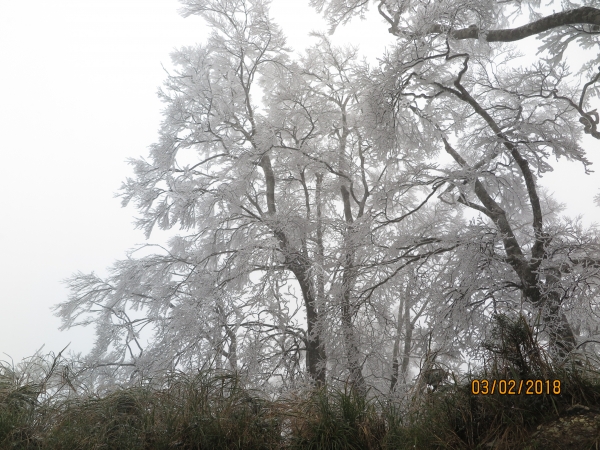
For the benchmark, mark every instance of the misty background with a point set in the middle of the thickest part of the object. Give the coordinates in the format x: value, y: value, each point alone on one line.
x: 79, y: 81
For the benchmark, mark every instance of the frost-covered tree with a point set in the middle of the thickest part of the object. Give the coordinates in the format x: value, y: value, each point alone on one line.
x: 275, y: 169
x: 324, y: 233
x: 502, y: 121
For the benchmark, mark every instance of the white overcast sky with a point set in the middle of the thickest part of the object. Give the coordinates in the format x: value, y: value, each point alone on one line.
x: 78, y: 82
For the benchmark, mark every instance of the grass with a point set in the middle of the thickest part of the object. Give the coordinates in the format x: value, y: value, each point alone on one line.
x: 209, y: 411
x: 216, y: 411
x: 192, y: 412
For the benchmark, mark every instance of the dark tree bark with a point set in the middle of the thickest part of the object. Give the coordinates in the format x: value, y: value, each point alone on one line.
x: 407, y: 341
x: 404, y: 320
x: 299, y: 265
x: 561, y: 336
x: 348, y: 279
x: 396, y: 349
x: 584, y: 15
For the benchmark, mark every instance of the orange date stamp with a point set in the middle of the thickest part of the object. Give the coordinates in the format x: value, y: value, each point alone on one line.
x: 515, y: 387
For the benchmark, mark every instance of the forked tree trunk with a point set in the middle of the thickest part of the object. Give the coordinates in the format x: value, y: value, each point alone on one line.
x: 300, y: 266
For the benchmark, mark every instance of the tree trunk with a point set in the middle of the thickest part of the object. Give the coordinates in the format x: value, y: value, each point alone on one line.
x: 408, y: 326
x: 320, y: 260
x: 348, y: 280
x: 349, y: 273
x: 546, y: 297
x: 232, y: 350
x: 350, y: 337
x: 396, y: 350
x: 300, y: 266
x: 561, y: 336
x: 315, y: 353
